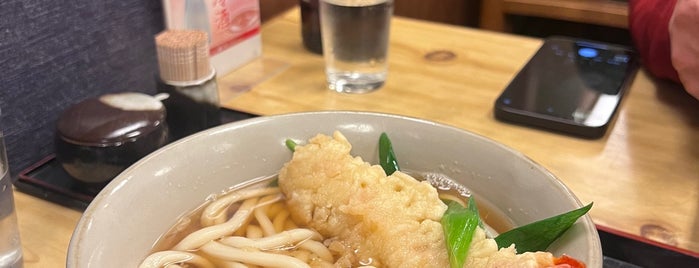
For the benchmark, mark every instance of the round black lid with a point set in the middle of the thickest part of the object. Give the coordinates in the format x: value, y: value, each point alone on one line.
x: 111, y: 119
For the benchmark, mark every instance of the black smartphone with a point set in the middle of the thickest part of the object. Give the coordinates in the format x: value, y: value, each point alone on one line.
x: 570, y: 85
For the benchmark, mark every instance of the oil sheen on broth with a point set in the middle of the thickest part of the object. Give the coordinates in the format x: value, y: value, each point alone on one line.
x: 189, y: 223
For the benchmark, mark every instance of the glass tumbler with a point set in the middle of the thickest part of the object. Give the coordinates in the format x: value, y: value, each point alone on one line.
x: 355, y: 37
x: 10, y: 246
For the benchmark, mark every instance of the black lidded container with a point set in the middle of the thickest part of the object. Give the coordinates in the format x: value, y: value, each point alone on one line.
x: 98, y: 138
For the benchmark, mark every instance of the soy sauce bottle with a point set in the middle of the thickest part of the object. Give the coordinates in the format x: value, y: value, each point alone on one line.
x: 310, y: 26
x: 191, y: 108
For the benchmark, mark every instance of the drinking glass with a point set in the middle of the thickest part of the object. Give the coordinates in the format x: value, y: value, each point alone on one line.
x: 355, y: 37
x: 10, y: 246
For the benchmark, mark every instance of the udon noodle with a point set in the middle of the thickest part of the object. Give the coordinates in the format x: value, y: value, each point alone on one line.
x: 246, y: 227
x: 258, y: 233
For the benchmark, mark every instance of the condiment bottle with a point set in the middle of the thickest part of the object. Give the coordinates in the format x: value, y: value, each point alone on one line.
x: 187, y: 76
x: 310, y: 26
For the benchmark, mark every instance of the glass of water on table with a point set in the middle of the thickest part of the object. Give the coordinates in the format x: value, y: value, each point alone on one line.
x: 10, y: 246
x: 355, y: 37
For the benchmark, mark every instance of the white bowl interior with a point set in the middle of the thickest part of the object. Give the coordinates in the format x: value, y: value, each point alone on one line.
x: 124, y: 221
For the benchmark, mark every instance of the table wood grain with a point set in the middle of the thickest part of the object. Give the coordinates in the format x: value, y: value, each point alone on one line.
x: 643, y: 175
x: 45, y: 230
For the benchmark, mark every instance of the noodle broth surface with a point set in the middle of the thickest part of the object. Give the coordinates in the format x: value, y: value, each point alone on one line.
x: 491, y: 215
x: 190, y: 222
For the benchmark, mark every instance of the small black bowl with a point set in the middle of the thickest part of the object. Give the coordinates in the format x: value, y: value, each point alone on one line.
x: 98, y: 138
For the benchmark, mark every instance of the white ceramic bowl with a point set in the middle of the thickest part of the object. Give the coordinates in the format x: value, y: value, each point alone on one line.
x: 121, y: 225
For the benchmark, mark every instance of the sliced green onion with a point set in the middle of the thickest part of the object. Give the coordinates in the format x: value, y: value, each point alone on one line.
x: 537, y: 236
x: 459, y: 226
x: 290, y: 144
x: 387, y: 158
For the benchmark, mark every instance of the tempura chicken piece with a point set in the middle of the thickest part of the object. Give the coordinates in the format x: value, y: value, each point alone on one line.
x: 369, y: 218
x: 484, y: 252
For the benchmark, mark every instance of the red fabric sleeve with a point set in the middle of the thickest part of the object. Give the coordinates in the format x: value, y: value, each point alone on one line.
x: 648, y: 25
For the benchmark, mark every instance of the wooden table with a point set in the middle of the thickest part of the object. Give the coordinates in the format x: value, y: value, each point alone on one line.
x: 643, y: 175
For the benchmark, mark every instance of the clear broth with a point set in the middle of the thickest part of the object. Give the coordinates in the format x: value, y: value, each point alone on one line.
x: 491, y: 215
